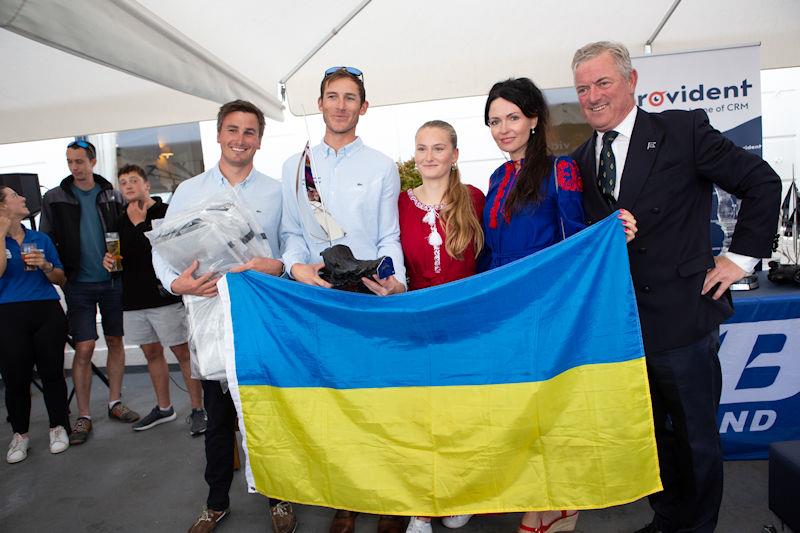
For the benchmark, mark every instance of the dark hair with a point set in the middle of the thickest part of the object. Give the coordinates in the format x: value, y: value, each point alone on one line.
x: 127, y: 169
x: 86, y: 146
x: 3, y: 192
x: 245, y: 107
x: 523, y: 93
x: 339, y: 74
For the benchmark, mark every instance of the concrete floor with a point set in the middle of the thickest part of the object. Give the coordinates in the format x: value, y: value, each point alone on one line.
x: 121, y: 481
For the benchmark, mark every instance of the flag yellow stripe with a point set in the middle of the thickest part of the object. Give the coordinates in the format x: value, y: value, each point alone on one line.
x: 581, y: 440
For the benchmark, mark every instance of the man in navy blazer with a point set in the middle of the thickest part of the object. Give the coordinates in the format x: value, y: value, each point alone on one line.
x: 662, y: 168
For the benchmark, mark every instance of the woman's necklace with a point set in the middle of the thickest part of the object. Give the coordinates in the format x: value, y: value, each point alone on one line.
x: 434, y: 238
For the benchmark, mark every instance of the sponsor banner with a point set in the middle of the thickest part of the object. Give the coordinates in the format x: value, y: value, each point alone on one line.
x: 760, y: 359
x: 726, y: 83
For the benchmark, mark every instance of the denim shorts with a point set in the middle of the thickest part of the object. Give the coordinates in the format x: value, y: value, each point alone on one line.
x: 83, y: 299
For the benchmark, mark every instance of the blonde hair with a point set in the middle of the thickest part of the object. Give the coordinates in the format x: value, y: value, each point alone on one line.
x: 461, y: 224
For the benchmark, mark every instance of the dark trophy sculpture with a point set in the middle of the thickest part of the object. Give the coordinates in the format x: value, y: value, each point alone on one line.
x: 344, y: 271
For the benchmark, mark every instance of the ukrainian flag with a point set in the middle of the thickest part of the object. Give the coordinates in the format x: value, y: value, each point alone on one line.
x: 524, y: 388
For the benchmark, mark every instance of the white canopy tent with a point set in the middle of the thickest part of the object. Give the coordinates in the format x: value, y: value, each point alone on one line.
x: 86, y: 66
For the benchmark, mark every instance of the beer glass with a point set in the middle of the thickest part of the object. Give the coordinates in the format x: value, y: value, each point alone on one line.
x: 112, y: 247
x: 27, y: 248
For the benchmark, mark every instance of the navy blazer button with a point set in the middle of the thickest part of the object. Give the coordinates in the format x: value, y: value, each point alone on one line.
x: 646, y: 289
x: 642, y: 250
x: 655, y: 210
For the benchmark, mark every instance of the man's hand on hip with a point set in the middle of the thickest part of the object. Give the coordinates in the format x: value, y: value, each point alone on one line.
x: 724, y: 273
x: 186, y: 283
x: 309, y: 274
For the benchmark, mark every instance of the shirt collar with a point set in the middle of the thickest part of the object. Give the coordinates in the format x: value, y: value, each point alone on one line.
x: 625, y: 128
x: 345, y: 151
x: 221, y: 180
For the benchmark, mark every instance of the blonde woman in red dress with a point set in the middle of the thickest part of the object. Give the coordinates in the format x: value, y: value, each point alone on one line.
x: 440, y: 221
x: 440, y: 231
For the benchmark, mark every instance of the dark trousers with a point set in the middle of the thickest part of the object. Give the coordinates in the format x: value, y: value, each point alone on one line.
x: 685, y: 385
x: 220, y: 438
x: 33, y: 333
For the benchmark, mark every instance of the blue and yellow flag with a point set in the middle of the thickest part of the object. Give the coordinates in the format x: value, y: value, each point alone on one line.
x: 523, y: 388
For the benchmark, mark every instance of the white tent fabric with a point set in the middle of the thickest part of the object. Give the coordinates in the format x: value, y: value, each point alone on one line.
x: 154, y: 62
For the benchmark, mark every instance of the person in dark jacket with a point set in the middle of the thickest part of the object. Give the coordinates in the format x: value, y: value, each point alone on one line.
x: 76, y: 215
x: 153, y: 317
x: 662, y: 167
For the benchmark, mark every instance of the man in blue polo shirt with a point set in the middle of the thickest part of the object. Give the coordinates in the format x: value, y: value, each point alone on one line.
x: 76, y: 215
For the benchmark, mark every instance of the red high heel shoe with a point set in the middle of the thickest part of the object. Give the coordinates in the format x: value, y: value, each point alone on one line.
x: 566, y: 522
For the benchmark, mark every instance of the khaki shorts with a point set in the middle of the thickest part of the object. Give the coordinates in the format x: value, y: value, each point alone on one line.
x: 166, y: 325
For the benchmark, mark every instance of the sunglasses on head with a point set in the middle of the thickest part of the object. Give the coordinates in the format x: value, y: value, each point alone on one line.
x: 83, y: 144
x: 350, y: 70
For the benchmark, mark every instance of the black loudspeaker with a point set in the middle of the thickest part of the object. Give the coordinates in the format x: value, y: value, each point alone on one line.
x: 28, y: 186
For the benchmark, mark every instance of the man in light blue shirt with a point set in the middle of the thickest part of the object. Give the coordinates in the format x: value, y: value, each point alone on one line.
x: 240, y: 127
x: 359, y: 187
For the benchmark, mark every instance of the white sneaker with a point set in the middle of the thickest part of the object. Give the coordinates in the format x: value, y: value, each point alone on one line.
x: 59, y: 440
x: 415, y: 525
x: 18, y: 448
x: 457, y: 520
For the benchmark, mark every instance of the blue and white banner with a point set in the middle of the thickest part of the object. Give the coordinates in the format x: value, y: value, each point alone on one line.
x: 760, y: 358
x: 726, y: 83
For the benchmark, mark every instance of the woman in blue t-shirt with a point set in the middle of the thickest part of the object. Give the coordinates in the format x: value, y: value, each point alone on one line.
x: 33, y: 327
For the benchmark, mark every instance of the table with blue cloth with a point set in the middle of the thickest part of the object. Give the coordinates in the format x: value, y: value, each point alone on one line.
x: 760, y: 358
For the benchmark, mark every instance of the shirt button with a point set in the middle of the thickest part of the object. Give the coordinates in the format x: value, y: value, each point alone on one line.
x: 646, y: 289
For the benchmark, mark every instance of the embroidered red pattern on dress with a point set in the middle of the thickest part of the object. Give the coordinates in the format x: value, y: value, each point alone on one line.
x: 501, y: 192
x: 569, y: 179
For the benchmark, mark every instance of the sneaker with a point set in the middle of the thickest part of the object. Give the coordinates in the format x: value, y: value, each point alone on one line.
x: 415, y: 525
x: 122, y: 414
x: 18, y: 448
x: 208, y: 520
x: 198, y: 420
x: 154, y: 418
x: 283, y: 519
x: 59, y: 440
x: 455, y: 521
x: 80, y: 431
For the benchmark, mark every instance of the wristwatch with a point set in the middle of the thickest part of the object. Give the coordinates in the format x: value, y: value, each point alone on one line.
x: 49, y: 269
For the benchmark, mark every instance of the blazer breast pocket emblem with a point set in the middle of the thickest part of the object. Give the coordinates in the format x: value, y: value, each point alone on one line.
x: 651, y: 145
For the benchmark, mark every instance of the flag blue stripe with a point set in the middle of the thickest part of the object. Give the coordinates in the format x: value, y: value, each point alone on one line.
x: 567, y: 306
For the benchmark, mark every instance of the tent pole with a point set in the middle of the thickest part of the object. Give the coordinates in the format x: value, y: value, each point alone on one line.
x: 336, y: 29
x: 648, y: 46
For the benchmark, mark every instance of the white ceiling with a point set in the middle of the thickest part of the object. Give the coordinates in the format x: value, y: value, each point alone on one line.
x: 162, y: 52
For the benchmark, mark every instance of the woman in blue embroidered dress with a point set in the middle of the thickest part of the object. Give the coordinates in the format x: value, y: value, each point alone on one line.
x: 534, y: 201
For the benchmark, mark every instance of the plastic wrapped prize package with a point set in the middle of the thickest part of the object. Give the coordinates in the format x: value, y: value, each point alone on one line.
x: 220, y: 234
